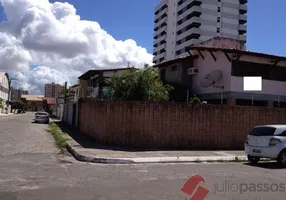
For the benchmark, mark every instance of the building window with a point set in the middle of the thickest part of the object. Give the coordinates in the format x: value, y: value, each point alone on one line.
x: 174, y: 68
x: 218, y: 20
x: 218, y: 9
x: 218, y: 30
x: 218, y: 0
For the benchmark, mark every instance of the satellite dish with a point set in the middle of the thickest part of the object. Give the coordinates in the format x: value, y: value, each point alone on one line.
x: 90, y: 89
x: 211, y: 78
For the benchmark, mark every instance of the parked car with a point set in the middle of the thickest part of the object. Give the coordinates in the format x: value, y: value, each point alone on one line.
x: 268, y: 141
x: 42, y: 117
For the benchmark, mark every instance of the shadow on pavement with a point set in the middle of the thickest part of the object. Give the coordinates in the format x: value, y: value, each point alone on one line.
x: 266, y: 165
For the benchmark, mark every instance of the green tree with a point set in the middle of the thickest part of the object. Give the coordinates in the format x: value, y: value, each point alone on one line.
x: 139, y: 84
x: 1, y: 103
x: 195, y: 100
x: 66, y: 92
x: 18, y: 104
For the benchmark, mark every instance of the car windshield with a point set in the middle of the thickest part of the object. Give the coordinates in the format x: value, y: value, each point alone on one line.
x: 42, y: 113
x: 263, y: 131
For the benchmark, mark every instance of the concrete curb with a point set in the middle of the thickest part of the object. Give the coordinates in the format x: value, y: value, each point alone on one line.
x: 92, y: 159
x: 184, y: 159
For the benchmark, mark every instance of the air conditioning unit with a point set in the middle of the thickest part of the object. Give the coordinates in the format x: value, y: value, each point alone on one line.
x: 193, y: 71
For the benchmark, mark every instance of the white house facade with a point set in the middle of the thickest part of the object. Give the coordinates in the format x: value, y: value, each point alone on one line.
x: 229, y: 59
x: 4, y: 90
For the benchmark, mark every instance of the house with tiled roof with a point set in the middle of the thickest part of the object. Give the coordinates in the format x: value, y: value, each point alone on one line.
x: 50, y: 105
x: 215, y: 70
x: 33, y: 102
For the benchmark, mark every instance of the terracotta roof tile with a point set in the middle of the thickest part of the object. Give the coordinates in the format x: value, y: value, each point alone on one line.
x: 50, y: 100
x: 32, y: 97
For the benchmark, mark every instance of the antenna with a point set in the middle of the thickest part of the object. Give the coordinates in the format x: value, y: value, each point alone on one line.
x: 211, y: 79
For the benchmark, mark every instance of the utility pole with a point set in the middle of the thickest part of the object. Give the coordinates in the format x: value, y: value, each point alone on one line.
x: 65, y: 93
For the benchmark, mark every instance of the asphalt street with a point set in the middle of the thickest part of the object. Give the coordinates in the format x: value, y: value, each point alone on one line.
x: 32, y: 168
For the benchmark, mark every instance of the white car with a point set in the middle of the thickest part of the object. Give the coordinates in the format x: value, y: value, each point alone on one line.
x: 42, y: 117
x: 268, y: 141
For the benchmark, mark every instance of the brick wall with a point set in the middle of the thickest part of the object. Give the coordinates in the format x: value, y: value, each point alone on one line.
x: 169, y: 125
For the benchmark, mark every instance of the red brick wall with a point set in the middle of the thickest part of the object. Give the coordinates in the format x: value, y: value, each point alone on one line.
x: 168, y: 125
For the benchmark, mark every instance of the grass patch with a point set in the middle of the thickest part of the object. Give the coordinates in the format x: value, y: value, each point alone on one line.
x: 55, y: 130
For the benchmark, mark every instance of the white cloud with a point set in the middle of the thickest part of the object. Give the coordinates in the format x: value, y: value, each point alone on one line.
x: 53, y: 37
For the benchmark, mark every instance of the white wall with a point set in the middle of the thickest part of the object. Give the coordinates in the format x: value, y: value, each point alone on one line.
x: 268, y: 86
x: 208, y: 65
x: 231, y: 83
x: 5, y: 83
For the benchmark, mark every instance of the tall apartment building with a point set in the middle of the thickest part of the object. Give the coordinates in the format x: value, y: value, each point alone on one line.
x: 53, y: 90
x: 16, y: 94
x: 181, y: 23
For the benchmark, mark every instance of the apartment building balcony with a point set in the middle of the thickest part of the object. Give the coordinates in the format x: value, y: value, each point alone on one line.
x: 243, y: 1
x: 193, y: 9
x: 242, y: 27
x: 161, y: 21
x: 242, y: 37
x: 160, y: 29
x: 186, y: 44
x: 183, y: 5
x: 187, y: 5
x: 188, y: 22
x: 161, y: 5
x: 158, y: 48
x: 243, y: 17
x: 188, y: 32
x: 242, y: 9
x: 164, y: 11
x: 159, y: 57
x: 161, y: 18
x: 160, y: 38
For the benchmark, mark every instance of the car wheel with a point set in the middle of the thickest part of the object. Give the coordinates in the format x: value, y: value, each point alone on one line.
x: 282, y: 158
x: 252, y: 159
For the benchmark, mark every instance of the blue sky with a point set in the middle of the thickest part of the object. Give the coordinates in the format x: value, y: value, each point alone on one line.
x: 125, y: 19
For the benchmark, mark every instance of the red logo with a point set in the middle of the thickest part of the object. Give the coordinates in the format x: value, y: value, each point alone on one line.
x: 192, y: 188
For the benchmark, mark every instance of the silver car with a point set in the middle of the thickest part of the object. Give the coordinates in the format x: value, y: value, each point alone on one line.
x: 42, y: 117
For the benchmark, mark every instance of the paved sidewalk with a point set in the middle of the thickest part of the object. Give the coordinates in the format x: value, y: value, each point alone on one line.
x: 84, y: 149
x: 4, y: 115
